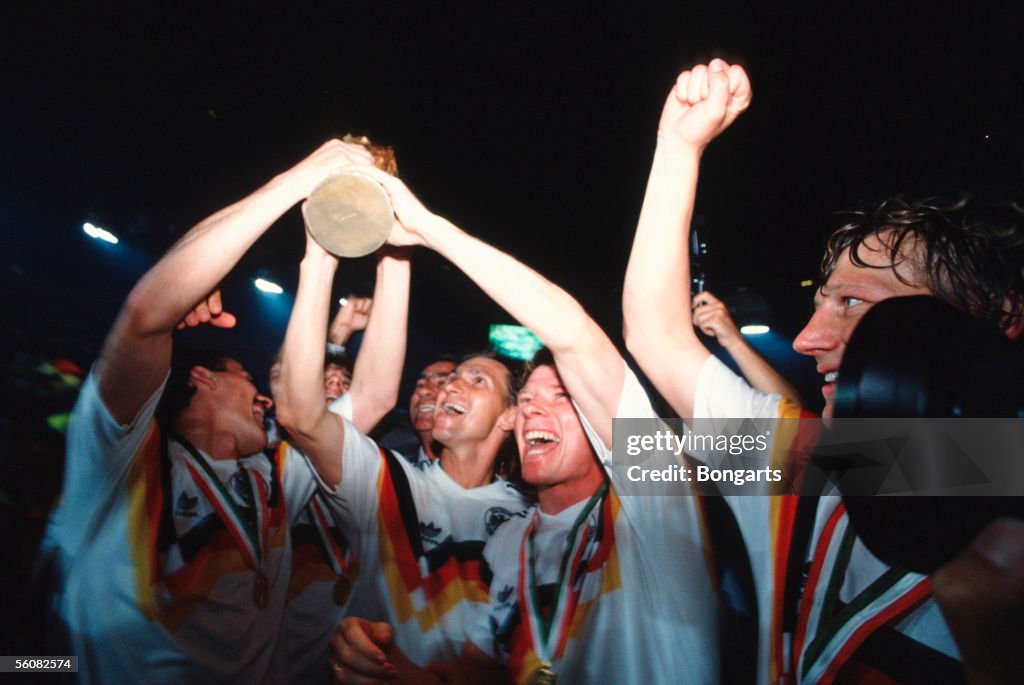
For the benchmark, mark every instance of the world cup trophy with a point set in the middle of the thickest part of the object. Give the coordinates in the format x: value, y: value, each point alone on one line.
x: 349, y: 214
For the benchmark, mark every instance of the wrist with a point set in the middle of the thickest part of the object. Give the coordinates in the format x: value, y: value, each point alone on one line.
x: 435, y: 231
x: 732, y: 343
x: 317, y: 258
x: 339, y: 335
x: 670, y: 145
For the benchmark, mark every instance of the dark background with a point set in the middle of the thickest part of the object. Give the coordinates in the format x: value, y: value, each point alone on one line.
x: 532, y: 128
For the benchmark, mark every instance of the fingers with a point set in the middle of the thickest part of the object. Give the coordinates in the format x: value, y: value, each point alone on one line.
x: 214, y: 304
x: 716, y: 94
x: 224, y: 320
x: 209, y: 310
x: 739, y: 84
x: 360, y: 305
x: 697, y: 86
x: 358, y: 647
x: 704, y: 298
x: 392, y: 184
x: 202, y: 311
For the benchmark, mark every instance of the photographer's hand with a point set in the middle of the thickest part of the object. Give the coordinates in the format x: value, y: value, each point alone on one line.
x: 981, y: 593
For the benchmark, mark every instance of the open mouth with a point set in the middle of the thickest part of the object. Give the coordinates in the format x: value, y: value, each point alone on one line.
x: 831, y: 376
x: 539, y: 441
x: 426, y: 409
x: 453, y: 408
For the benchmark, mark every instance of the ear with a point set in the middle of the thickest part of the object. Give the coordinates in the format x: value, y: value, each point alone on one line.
x: 1015, y: 325
x: 200, y: 376
x: 507, y: 420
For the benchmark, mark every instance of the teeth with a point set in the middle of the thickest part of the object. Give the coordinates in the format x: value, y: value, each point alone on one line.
x: 831, y: 376
x: 449, y: 407
x: 426, y: 408
x: 533, y: 437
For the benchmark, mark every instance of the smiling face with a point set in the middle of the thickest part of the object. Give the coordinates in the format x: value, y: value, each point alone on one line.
x: 423, y: 402
x: 849, y: 293
x: 553, y: 448
x: 473, y: 403
x: 241, y: 407
x: 337, y: 381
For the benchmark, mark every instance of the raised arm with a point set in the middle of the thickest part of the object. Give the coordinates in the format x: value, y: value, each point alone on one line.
x: 656, y: 295
x: 300, y: 394
x: 353, y: 316
x: 711, y: 316
x: 137, y: 352
x: 590, y: 366
x: 378, y: 371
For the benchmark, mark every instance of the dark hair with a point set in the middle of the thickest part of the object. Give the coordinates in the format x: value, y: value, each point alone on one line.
x: 542, y: 358
x: 340, y: 359
x: 969, y: 252
x: 178, y: 391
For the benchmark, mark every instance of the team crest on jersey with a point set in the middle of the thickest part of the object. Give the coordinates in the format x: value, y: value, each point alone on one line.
x: 185, y: 506
x: 494, y: 517
x: 239, y: 484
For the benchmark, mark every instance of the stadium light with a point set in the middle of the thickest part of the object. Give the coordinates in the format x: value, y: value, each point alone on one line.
x: 99, y: 233
x: 268, y: 286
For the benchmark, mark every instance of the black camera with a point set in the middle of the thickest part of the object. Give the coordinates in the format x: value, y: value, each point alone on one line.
x: 919, y: 358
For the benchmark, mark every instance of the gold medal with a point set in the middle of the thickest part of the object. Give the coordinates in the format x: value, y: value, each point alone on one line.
x: 342, y: 589
x: 544, y: 676
x: 260, y: 590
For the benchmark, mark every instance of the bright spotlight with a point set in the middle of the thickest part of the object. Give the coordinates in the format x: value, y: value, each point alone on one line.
x: 268, y: 286
x: 754, y: 329
x: 99, y: 233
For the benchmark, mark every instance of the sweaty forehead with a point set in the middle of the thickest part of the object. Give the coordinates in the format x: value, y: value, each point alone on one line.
x: 484, y: 365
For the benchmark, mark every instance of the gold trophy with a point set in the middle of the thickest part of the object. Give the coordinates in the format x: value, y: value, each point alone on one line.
x: 350, y: 215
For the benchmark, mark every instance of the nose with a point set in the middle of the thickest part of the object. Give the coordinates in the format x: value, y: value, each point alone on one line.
x: 530, y: 407
x: 265, y: 401
x: 456, y: 385
x: 818, y: 336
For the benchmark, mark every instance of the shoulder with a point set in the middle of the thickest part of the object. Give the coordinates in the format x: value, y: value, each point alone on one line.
x: 508, y: 532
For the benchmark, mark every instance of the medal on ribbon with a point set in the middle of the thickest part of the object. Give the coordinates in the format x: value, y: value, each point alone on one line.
x: 549, y: 639
x: 337, y: 557
x: 544, y: 675
x: 251, y: 533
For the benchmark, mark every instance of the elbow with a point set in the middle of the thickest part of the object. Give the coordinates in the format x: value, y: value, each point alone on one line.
x: 293, y: 418
x: 140, y: 316
x: 638, y: 344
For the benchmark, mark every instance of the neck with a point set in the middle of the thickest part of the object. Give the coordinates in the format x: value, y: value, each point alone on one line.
x: 427, y: 441
x: 560, y: 496
x: 218, y: 445
x: 468, y: 468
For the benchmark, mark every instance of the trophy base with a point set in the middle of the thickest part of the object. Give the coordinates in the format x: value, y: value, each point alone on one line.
x: 349, y: 215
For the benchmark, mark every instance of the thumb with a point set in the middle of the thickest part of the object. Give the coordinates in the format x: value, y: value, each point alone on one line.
x: 223, y: 320
x: 381, y: 633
